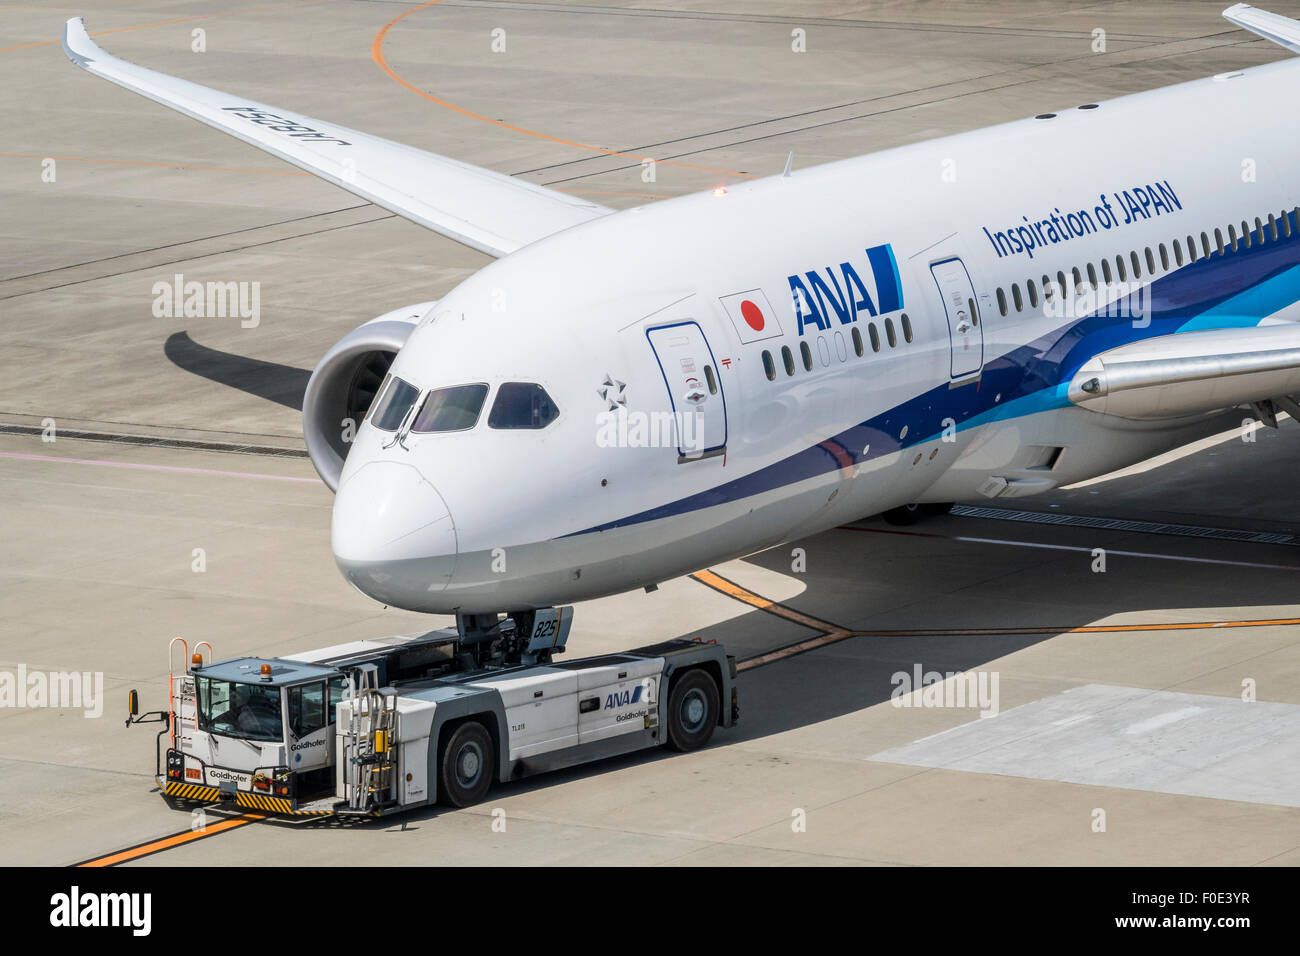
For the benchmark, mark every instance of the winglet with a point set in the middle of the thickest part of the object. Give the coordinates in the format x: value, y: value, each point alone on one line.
x: 77, y: 44
x: 1271, y: 26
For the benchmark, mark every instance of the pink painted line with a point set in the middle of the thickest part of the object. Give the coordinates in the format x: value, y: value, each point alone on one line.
x: 176, y: 468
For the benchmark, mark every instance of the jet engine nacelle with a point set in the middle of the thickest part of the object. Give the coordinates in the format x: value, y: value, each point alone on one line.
x: 344, y: 383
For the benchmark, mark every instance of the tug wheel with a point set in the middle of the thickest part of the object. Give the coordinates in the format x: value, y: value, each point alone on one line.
x: 692, y: 711
x: 465, y: 768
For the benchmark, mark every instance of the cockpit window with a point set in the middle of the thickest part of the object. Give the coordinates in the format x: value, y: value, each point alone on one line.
x: 393, y: 403
x: 522, y: 405
x: 450, y: 409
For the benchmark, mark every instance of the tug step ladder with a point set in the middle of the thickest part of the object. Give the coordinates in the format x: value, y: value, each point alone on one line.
x: 371, y: 746
x: 182, y: 698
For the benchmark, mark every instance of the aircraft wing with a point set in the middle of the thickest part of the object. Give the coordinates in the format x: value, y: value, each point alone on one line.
x: 1271, y: 26
x: 485, y: 210
x: 1171, y: 376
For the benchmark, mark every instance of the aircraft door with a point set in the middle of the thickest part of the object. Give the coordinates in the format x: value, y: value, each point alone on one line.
x: 965, y: 330
x: 690, y: 373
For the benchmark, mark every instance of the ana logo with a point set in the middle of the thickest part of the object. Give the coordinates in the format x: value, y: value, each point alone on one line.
x: 840, y: 290
x: 625, y: 698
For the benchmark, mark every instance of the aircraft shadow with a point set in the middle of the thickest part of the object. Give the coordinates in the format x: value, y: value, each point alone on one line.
x: 282, y: 384
x: 859, y: 672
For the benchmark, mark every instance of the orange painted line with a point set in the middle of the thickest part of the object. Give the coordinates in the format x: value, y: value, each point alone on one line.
x: 377, y: 54
x: 792, y: 650
x: 136, y: 162
x: 163, y: 23
x: 833, y: 633
x: 730, y: 588
x: 177, y: 839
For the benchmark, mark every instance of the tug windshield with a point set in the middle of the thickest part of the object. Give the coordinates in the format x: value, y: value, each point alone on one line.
x: 239, y: 710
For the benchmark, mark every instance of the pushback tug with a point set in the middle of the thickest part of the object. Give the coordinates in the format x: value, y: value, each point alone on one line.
x: 373, y: 727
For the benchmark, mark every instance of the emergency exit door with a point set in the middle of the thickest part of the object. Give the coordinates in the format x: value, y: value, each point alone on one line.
x: 694, y: 389
x: 965, y: 330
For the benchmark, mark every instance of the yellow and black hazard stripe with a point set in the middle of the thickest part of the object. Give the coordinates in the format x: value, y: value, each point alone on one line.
x: 255, y: 801
x: 191, y: 791
x: 265, y: 802
x: 270, y: 804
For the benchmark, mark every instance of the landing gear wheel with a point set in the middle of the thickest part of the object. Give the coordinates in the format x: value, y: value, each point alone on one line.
x: 465, y: 768
x: 938, y: 507
x: 692, y: 711
x: 907, y: 514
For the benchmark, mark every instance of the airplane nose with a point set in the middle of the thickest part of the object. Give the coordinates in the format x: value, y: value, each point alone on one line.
x: 392, y: 533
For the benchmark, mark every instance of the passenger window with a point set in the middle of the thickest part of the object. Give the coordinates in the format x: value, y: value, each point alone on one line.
x: 1123, y: 272
x: 395, y: 400
x: 1047, y: 288
x: 857, y: 341
x: 788, y: 359
x: 1205, y: 245
x: 1060, y: 278
x: 450, y: 409
x: 1105, y: 271
x: 889, y: 333
x: 1272, y: 227
x: 711, y: 379
x: 769, y: 367
x: 306, y: 709
x: 1164, y: 256
x: 1078, y: 279
x: 972, y: 312
x: 1259, y: 230
x: 1232, y: 237
x: 1137, y: 264
x: 1015, y: 297
x: 907, y: 327
x: 875, y: 336
x: 1151, y: 262
x: 1286, y: 225
x: 1092, y: 275
x: 805, y: 351
x: 522, y: 405
x: 1178, y: 252
x: 1002, y: 302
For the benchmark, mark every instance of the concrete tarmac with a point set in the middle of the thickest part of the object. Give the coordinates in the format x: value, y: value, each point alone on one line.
x: 178, y: 447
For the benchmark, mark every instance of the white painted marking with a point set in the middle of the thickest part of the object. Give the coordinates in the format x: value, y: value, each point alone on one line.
x: 1161, y: 720
x: 1113, y: 551
x: 1107, y: 736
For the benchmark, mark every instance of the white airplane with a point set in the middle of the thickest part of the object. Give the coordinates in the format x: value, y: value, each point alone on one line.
x: 624, y: 397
